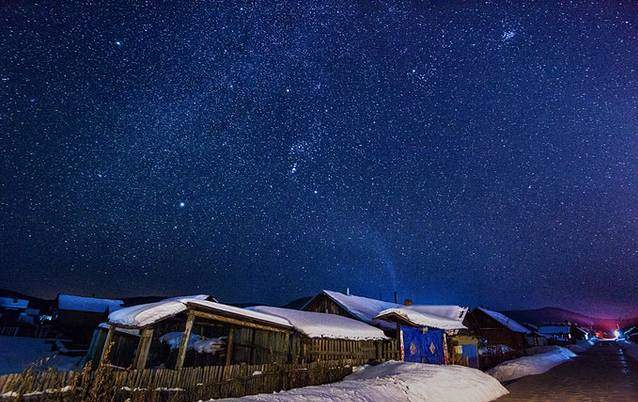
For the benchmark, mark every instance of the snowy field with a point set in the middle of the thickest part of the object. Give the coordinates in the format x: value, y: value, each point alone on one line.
x: 18, y: 353
x: 531, y: 365
x: 397, y: 381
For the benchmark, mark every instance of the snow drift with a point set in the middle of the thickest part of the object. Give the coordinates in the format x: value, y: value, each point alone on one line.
x: 531, y: 365
x: 398, y: 381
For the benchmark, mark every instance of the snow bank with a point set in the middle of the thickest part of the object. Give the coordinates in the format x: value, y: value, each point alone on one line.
x: 19, y: 353
x: 420, y: 319
x: 320, y: 325
x: 397, y: 382
x: 531, y: 365
x: 582, y: 346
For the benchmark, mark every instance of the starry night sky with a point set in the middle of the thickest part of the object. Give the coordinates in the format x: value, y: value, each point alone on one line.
x: 469, y: 153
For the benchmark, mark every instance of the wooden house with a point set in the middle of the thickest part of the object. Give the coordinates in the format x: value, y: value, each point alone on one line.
x: 190, y: 331
x: 397, y: 320
x: 76, y: 317
x: 563, y: 333
x: 428, y: 338
x: 497, y: 329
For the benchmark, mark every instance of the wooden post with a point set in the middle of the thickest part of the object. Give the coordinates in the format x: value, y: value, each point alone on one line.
x: 143, y: 347
x: 107, y: 343
x: 183, y: 345
x: 229, y: 347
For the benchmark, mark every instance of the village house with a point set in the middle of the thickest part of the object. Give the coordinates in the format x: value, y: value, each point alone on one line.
x: 424, y: 333
x: 497, y: 329
x: 76, y: 317
x: 194, y: 331
x: 563, y: 333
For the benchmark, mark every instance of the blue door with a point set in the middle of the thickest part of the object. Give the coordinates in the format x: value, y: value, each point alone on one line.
x: 470, y: 354
x: 422, y: 345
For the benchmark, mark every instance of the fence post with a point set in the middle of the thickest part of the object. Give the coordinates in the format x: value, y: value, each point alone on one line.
x: 107, y: 344
x: 183, y: 345
x: 143, y: 347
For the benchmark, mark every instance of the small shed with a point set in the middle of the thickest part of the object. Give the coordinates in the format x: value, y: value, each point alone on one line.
x: 427, y: 338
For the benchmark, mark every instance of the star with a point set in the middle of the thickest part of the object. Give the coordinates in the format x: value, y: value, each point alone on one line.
x: 182, y: 204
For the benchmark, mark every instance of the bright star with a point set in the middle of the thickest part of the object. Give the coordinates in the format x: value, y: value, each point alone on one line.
x: 182, y: 204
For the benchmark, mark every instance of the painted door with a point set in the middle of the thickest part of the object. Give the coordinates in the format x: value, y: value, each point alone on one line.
x: 470, y: 354
x: 423, y: 345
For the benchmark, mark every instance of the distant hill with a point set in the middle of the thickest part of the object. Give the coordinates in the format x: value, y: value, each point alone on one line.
x: 549, y: 315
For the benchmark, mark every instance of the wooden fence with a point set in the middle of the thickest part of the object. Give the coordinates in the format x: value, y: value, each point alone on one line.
x: 158, y: 385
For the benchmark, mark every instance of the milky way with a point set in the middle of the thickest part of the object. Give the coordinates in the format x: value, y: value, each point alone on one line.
x: 477, y: 153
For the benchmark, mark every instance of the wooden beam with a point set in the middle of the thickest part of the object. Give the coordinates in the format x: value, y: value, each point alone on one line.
x: 107, y: 344
x: 229, y: 347
x: 143, y: 347
x: 183, y: 345
x: 236, y: 322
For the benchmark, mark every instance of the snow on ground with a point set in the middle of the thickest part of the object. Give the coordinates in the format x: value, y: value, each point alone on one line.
x: 629, y: 348
x: 398, y: 381
x: 582, y: 346
x: 19, y: 353
x: 531, y: 365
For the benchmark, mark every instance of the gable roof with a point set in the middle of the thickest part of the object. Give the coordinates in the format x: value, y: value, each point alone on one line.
x: 146, y: 314
x: 506, y: 321
x: 419, y: 319
x: 320, y: 325
x: 367, y: 309
x: 88, y: 304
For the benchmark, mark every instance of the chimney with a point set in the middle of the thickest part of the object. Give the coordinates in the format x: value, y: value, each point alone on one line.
x: 396, y: 297
x: 348, y: 291
x: 407, y: 302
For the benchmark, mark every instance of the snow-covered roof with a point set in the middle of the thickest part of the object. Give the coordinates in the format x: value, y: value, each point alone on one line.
x: 420, y: 319
x: 367, y: 309
x: 363, y: 308
x: 554, y: 329
x: 506, y: 321
x: 13, y: 303
x: 129, y: 331
x: 88, y: 304
x: 143, y: 315
x: 452, y: 312
x: 319, y: 325
x: 224, y: 309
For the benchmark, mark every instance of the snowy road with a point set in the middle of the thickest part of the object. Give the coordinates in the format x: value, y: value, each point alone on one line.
x: 602, y: 374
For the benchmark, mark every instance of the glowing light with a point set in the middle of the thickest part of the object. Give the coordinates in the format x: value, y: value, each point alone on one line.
x: 617, y: 333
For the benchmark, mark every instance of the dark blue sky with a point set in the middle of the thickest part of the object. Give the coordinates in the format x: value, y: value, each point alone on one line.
x: 470, y: 153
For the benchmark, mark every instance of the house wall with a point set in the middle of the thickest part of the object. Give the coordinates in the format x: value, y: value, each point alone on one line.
x: 494, y: 333
x: 324, y: 304
x: 78, y: 325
